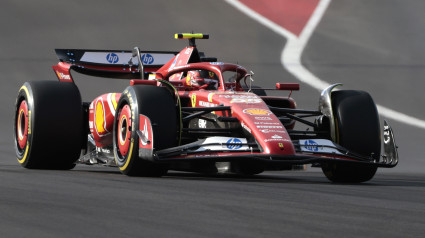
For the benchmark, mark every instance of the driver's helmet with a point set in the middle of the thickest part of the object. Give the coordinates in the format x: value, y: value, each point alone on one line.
x: 203, y: 79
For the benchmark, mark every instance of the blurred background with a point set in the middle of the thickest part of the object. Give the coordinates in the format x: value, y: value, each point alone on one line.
x: 372, y: 45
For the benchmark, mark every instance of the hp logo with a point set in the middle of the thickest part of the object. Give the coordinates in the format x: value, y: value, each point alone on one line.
x: 147, y: 59
x: 237, y: 144
x: 311, y: 145
x: 112, y: 58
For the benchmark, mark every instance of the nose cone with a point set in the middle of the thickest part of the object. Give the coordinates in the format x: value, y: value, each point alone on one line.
x: 256, y: 118
x: 267, y: 129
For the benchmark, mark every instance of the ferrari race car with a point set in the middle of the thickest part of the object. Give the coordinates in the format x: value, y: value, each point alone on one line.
x: 185, y: 111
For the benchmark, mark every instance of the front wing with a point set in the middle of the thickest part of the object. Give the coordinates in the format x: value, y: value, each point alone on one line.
x: 308, y: 152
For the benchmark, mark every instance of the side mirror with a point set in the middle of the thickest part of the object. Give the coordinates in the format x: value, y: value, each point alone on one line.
x: 288, y: 86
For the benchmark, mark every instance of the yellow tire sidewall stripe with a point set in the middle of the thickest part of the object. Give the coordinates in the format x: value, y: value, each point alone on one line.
x: 24, y: 158
x: 130, y: 153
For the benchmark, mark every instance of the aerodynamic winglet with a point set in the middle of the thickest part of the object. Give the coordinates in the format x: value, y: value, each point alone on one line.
x: 390, y: 155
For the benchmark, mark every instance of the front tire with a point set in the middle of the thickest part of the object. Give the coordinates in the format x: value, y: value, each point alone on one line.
x: 158, y: 105
x: 48, y: 125
x: 358, y: 130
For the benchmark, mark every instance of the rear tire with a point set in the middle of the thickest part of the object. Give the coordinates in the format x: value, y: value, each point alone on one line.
x: 358, y: 130
x: 48, y: 125
x: 158, y: 105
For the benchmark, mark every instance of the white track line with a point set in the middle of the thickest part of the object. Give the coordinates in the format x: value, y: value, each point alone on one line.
x: 291, y: 55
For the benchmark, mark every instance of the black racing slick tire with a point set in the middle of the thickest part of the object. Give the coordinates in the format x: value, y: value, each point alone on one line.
x: 156, y: 103
x: 48, y: 125
x: 358, y: 130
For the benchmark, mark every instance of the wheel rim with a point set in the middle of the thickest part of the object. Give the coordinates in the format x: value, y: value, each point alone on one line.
x: 123, y: 130
x: 22, y: 125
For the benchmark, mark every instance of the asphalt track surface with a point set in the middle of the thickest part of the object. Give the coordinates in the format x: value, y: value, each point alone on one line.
x: 370, y: 45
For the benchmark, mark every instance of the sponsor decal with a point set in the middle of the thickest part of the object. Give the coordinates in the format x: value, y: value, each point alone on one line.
x: 281, y: 145
x: 193, y: 100
x: 102, y: 111
x: 217, y: 63
x: 107, y: 57
x: 124, y: 57
x: 319, y: 145
x: 29, y: 122
x: 203, y: 156
x: 311, y: 145
x: 272, y: 131
x: 103, y: 150
x: 276, y: 136
x: 263, y: 118
x: 207, y: 104
x: 202, y: 123
x: 100, y: 121
x: 266, y: 123
x: 63, y: 76
x: 237, y: 144
x: 247, y: 100
x: 257, y: 111
x: 133, y: 112
x: 268, y: 140
x: 387, y: 135
x: 112, y: 58
x: 153, y: 76
x: 147, y: 59
x: 239, y: 96
x: 270, y: 127
x: 221, y: 143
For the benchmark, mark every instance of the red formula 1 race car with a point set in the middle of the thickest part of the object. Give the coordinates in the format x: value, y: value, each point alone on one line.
x: 184, y: 111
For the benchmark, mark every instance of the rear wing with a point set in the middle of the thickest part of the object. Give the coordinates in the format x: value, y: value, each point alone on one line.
x: 123, y: 64
x: 135, y: 64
